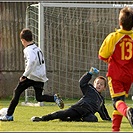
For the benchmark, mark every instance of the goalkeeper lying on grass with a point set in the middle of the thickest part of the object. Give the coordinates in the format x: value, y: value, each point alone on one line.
x: 85, y: 109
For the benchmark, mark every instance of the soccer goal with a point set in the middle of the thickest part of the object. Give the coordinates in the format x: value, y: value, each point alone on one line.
x: 70, y: 35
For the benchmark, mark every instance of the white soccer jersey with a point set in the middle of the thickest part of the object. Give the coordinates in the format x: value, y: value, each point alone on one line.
x: 35, y: 68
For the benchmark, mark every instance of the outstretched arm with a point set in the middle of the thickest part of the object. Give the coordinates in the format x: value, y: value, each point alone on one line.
x: 86, y: 78
x: 104, y: 113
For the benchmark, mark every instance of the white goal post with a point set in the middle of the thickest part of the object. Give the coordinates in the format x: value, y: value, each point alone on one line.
x: 70, y: 35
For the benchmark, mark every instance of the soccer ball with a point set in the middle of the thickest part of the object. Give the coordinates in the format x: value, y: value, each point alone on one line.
x: 132, y: 97
x: 3, y: 112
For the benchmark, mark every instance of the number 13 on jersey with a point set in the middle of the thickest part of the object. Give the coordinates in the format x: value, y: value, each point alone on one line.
x: 126, y: 50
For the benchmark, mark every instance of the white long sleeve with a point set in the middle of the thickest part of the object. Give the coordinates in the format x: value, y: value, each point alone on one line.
x: 35, y: 68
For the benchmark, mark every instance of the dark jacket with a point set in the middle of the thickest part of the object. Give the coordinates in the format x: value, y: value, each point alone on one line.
x: 92, y: 101
x: 103, y: 111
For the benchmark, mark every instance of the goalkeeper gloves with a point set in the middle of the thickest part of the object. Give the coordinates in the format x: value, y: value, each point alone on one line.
x: 93, y: 71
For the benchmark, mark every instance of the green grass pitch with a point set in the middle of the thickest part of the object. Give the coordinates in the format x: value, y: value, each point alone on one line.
x: 23, y: 115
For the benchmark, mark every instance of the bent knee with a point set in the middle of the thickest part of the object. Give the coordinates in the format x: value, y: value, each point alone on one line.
x: 90, y: 118
x: 116, y: 99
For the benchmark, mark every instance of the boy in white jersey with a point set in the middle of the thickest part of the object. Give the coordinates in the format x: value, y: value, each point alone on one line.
x: 34, y: 75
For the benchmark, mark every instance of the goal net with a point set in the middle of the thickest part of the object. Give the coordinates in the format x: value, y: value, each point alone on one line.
x: 70, y: 35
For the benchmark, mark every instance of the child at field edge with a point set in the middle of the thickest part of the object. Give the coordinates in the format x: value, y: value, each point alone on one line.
x: 34, y: 75
x: 117, y: 51
x: 85, y: 109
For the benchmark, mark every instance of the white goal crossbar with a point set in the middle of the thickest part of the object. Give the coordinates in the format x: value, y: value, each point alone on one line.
x: 86, y: 5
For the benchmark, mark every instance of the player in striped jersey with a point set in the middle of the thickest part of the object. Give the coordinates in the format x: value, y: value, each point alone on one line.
x: 117, y: 51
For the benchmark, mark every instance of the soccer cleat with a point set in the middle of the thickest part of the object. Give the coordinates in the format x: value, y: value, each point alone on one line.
x: 93, y: 71
x: 129, y: 116
x: 36, y: 119
x: 7, y: 118
x: 59, y: 101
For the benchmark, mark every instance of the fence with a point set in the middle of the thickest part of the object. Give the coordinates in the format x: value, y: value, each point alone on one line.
x: 12, y: 20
